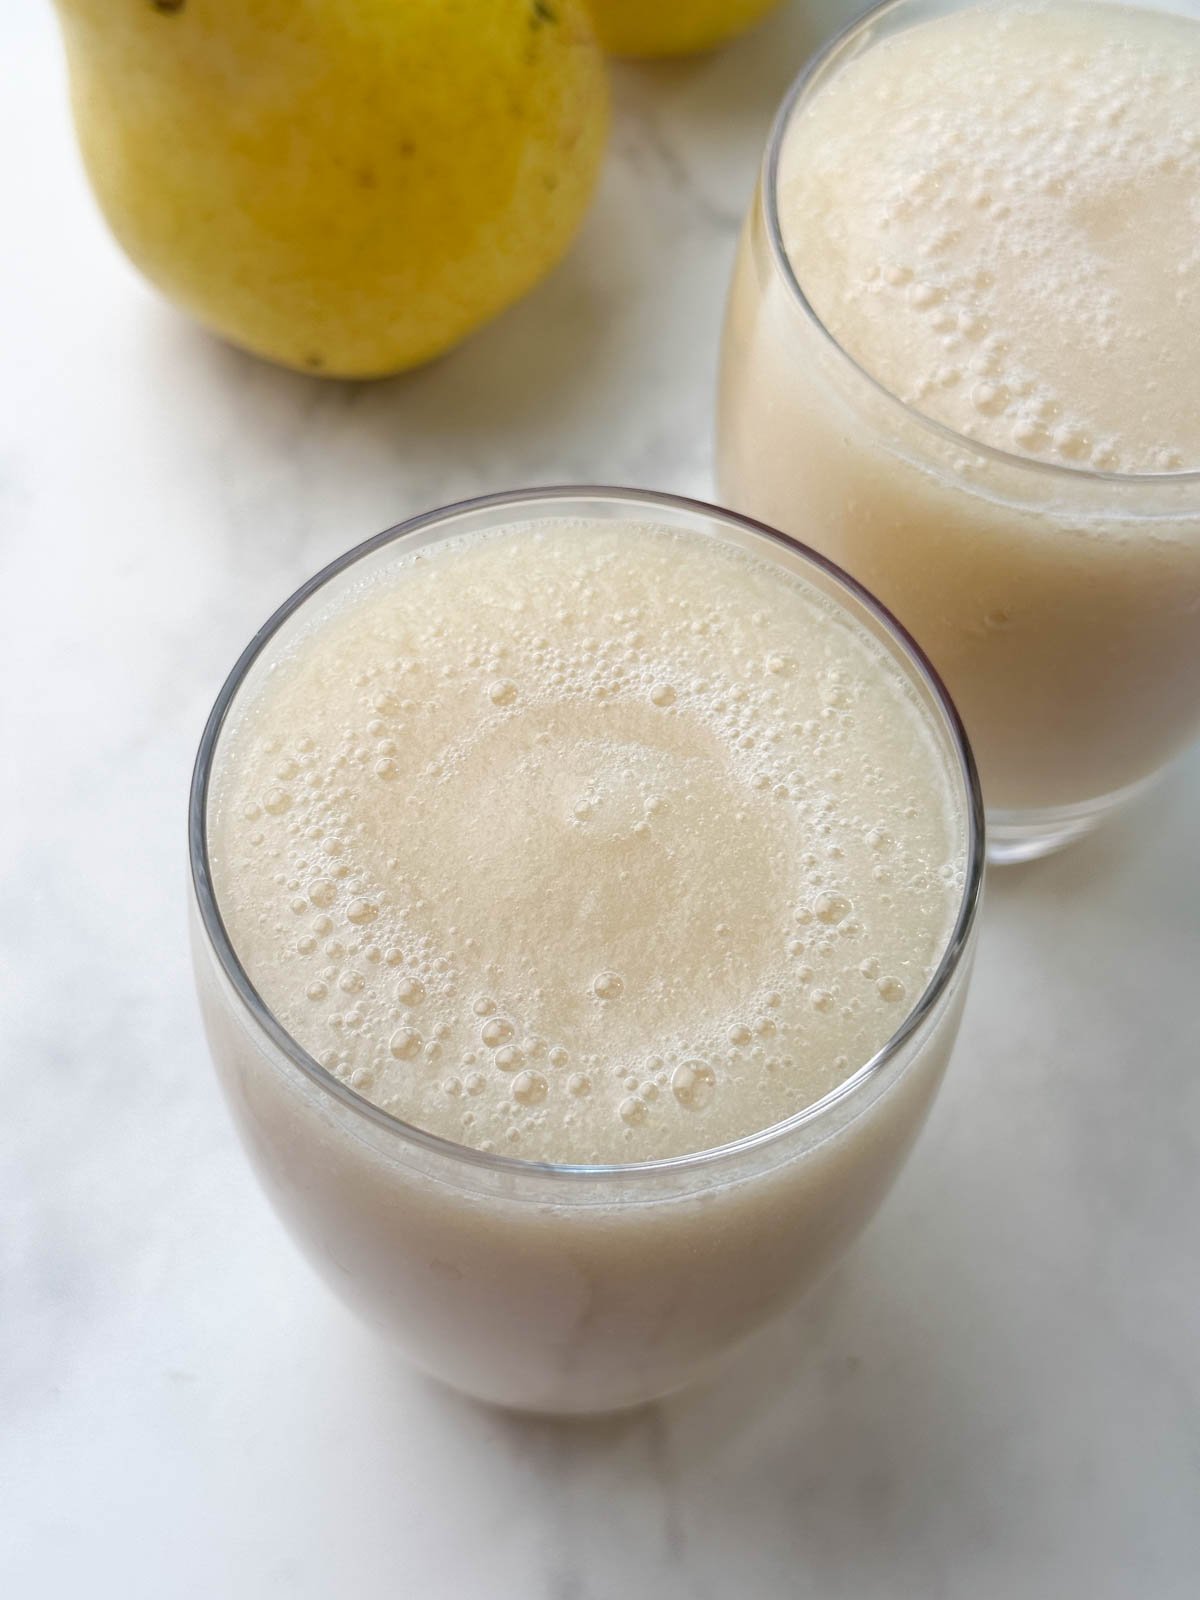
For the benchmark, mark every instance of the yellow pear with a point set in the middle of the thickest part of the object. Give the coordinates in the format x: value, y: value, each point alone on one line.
x: 344, y: 186
x: 672, y: 27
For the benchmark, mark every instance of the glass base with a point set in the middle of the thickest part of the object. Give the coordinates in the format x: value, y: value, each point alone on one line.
x: 1014, y: 836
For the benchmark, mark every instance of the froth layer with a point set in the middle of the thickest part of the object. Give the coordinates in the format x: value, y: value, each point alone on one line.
x: 997, y: 213
x: 586, y: 842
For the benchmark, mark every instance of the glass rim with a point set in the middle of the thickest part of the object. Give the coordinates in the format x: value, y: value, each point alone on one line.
x: 804, y: 85
x: 264, y: 1019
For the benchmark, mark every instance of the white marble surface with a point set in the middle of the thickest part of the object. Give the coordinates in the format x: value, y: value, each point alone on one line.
x: 995, y: 1395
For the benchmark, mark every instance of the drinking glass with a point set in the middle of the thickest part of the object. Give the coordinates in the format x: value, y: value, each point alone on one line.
x: 563, y: 1288
x: 1061, y: 605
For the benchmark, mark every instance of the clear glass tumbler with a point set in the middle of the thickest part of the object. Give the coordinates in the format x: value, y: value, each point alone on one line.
x: 1061, y: 605
x: 569, y: 1289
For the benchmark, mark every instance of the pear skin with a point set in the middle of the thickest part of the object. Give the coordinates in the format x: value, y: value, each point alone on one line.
x: 673, y: 27
x: 346, y: 187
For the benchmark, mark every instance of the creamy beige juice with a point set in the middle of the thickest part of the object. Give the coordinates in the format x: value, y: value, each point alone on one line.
x: 587, y: 842
x: 996, y: 215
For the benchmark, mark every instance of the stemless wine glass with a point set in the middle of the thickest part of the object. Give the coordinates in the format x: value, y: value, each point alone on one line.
x: 571, y: 1288
x: 1061, y: 605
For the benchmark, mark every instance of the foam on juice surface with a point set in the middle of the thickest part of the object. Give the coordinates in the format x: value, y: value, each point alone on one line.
x: 997, y: 213
x: 586, y: 842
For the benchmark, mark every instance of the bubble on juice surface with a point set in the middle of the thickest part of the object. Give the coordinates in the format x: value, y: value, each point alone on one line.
x: 693, y: 1084
x: 830, y: 908
x: 529, y: 1088
x: 633, y: 1110
x: 405, y: 1044
x: 496, y: 1031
